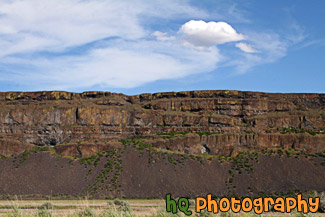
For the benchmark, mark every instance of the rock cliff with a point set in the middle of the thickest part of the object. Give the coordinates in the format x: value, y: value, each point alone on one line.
x: 218, y: 122
x: 220, y: 132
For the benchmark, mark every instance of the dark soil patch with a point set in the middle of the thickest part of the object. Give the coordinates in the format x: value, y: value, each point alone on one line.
x: 148, y: 173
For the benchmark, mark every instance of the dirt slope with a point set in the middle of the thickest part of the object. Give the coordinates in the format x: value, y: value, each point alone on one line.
x: 150, y: 173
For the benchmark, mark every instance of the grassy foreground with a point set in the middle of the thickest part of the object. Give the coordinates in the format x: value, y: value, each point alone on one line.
x: 103, y: 208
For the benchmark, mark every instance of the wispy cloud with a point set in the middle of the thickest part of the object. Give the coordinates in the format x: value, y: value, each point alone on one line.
x: 68, y: 44
x: 117, y: 63
x: 59, y: 27
x: 246, y: 48
x: 268, y: 47
x: 163, y: 36
x: 308, y: 43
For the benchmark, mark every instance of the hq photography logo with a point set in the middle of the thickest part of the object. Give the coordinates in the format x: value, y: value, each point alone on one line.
x: 258, y: 205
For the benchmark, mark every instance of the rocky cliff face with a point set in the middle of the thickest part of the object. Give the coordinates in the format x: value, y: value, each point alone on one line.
x: 217, y: 122
x: 106, y: 145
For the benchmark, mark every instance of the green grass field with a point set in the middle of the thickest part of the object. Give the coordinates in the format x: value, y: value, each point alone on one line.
x: 103, y: 208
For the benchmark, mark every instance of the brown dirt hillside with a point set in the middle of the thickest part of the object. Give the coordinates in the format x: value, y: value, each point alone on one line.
x: 136, y: 172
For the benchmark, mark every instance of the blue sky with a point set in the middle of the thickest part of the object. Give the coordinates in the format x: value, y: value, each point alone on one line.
x: 143, y: 46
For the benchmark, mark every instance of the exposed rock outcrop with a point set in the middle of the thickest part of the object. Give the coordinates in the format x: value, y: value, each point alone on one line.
x: 251, y: 120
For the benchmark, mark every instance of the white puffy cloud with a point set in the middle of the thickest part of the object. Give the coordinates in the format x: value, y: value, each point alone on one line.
x: 163, y: 36
x: 200, y: 33
x: 246, y: 48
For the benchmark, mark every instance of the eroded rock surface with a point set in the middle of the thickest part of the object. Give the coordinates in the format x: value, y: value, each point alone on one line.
x: 219, y: 122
